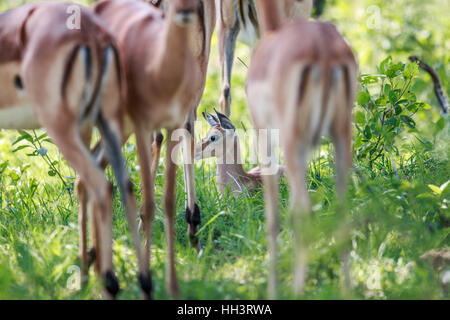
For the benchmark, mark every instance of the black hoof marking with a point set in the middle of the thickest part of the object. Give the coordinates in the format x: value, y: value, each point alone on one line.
x: 226, y: 93
x: 91, y: 256
x: 187, y: 216
x: 146, y: 284
x: 130, y: 186
x: 159, y: 138
x: 188, y: 127
x: 18, y: 83
x: 196, y: 219
x: 111, y: 283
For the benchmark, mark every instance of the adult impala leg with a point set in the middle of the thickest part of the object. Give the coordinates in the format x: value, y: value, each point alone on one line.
x: 82, y: 218
x: 73, y: 149
x: 169, y: 208
x: 343, y: 155
x: 341, y: 132
x: 296, y: 159
x: 227, y: 44
x: 192, y: 210
x: 143, y: 141
x: 271, y: 198
x: 158, y: 139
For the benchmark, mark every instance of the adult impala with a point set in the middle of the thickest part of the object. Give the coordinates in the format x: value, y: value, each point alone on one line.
x: 161, y: 73
x: 67, y: 81
x: 239, y: 20
x: 200, y: 43
x: 302, y: 82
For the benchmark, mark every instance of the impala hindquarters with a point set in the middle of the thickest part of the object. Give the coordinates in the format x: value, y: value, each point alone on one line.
x: 61, y: 77
x: 159, y: 64
x: 239, y: 20
x: 302, y: 82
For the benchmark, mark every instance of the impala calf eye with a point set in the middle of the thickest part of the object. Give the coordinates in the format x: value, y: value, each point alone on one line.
x: 213, y: 138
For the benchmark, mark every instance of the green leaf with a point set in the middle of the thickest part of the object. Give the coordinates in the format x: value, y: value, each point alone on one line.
x: 384, y: 64
x: 367, y: 132
x: 395, y: 69
x: 20, y: 148
x: 440, y: 124
x: 408, y: 121
x: 397, y: 109
x: 435, y: 189
x: 360, y: 118
x: 363, y: 98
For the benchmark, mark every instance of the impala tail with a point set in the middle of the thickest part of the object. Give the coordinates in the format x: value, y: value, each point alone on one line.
x: 110, y: 138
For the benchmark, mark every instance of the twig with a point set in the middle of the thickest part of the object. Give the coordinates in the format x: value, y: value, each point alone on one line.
x: 438, y: 90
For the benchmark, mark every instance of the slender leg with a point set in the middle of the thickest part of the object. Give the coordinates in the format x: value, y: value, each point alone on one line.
x: 192, y: 209
x: 71, y: 146
x: 169, y: 207
x: 110, y: 134
x: 158, y: 139
x: 342, y: 144
x: 82, y: 223
x: 296, y: 159
x: 271, y: 196
x: 82, y: 218
x: 148, y: 207
x: 227, y: 45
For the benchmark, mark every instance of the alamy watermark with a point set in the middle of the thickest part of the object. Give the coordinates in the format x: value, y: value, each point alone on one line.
x: 73, y: 22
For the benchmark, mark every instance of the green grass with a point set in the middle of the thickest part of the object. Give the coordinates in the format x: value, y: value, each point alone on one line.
x: 394, y: 220
x: 391, y: 229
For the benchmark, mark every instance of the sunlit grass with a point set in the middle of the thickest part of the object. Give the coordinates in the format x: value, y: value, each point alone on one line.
x: 394, y: 220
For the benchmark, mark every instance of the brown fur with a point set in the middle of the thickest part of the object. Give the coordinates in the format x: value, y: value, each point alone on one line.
x: 300, y: 72
x: 232, y: 17
x: 200, y: 42
x: 230, y: 172
x: 165, y: 72
x: 39, y: 49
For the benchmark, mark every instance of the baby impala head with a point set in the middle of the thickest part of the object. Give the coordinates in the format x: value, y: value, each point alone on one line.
x: 184, y: 11
x: 217, y: 140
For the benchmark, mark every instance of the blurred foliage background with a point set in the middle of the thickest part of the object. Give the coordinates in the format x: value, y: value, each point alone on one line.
x: 399, y: 200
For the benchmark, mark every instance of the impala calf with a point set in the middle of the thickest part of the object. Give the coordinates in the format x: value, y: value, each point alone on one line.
x: 67, y: 81
x: 302, y: 82
x: 222, y: 142
x: 162, y: 76
x: 239, y: 20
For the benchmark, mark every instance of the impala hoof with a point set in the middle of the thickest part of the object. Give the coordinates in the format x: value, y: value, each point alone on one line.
x: 146, y: 285
x: 111, y: 284
x: 193, y: 219
x: 91, y: 257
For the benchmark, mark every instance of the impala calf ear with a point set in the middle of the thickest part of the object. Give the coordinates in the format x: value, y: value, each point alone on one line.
x: 212, y: 120
x: 224, y: 121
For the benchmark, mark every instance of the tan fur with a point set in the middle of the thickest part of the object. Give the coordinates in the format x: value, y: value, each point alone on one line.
x: 308, y: 76
x: 237, y: 19
x: 200, y: 43
x: 38, y: 48
x: 165, y: 70
x: 230, y: 173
